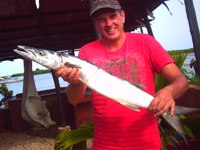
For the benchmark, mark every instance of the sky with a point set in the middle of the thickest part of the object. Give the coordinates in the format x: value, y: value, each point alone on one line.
x: 172, y: 31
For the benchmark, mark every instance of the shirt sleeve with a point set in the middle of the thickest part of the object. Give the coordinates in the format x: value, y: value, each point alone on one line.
x: 158, y: 55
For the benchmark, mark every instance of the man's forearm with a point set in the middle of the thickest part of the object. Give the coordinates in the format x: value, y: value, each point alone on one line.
x: 75, y: 93
x: 178, y: 83
x: 178, y: 87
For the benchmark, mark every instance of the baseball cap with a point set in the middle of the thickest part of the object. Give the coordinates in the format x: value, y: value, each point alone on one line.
x: 100, y: 4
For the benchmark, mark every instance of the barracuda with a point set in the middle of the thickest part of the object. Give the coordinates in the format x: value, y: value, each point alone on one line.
x: 98, y: 80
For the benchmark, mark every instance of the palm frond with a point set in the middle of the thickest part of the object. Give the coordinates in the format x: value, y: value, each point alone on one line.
x: 66, y: 140
x: 179, y: 58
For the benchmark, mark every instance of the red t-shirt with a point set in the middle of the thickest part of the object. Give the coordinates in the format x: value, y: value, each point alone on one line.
x: 115, y: 126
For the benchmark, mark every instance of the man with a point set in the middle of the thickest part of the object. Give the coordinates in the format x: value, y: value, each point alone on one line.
x: 133, y: 57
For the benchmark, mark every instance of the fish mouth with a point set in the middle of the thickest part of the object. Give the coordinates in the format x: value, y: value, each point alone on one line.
x: 25, y: 51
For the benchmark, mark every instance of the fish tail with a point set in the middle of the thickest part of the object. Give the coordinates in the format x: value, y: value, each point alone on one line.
x: 175, y: 122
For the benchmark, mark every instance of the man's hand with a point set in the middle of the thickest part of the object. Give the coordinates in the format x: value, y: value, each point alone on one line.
x: 70, y: 75
x: 165, y: 98
x: 76, y: 89
x: 162, y: 102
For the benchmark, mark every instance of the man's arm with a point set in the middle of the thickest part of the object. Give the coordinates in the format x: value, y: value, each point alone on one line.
x: 76, y: 90
x: 165, y: 98
x: 75, y: 93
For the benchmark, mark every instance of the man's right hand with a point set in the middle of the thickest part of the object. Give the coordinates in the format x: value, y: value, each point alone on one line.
x: 70, y: 75
x: 76, y: 89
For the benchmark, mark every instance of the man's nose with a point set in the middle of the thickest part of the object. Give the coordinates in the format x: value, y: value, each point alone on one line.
x: 108, y: 22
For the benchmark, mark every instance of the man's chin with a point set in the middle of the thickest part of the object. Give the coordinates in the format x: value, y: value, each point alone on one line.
x: 112, y: 36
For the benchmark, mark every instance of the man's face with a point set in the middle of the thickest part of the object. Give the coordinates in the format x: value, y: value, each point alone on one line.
x: 109, y: 23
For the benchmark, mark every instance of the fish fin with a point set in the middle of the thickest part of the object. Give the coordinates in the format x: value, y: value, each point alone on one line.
x: 72, y: 65
x: 140, y: 86
x: 182, y: 110
x: 133, y: 107
x: 175, y: 122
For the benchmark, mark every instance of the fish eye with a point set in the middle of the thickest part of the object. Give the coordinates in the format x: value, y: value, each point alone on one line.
x: 41, y: 53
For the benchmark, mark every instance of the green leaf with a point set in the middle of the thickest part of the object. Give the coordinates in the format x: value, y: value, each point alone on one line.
x: 179, y: 58
x: 66, y: 140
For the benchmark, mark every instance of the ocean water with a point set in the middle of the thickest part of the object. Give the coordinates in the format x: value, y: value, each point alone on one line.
x: 45, y: 81
x: 189, y: 57
x: 42, y: 82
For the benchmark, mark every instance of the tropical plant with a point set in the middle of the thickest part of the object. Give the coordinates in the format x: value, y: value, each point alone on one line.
x: 6, y: 93
x: 75, y: 139
x: 179, y: 58
x: 192, y: 120
x: 67, y: 140
x: 193, y: 78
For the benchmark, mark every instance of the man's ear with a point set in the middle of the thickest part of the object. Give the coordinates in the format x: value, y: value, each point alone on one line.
x: 94, y: 24
x: 123, y: 16
x: 96, y: 28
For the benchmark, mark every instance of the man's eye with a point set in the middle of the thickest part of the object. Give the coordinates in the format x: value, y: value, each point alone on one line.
x: 113, y: 16
x: 100, y: 20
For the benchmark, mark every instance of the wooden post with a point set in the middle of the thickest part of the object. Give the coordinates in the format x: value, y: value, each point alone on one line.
x: 60, y: 100
x: 194, y: 30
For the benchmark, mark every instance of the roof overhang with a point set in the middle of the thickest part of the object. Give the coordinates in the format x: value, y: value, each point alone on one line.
x: 57, y: 24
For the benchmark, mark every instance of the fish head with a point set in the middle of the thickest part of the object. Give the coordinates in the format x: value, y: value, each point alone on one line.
x: 47, y: 58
